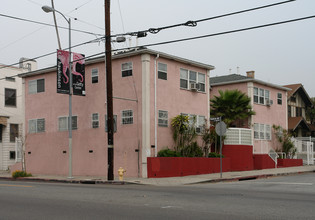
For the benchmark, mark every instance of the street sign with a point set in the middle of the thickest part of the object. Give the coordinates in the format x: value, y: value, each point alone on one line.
x: 215, y: 119
x: 220, y: 128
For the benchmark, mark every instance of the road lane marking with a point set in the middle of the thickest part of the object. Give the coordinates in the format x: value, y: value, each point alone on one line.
x: 15, y: 185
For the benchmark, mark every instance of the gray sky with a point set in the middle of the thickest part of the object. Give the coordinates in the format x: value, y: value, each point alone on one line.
x: 282, y: 54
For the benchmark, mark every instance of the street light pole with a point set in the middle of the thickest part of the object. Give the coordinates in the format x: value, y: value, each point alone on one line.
x: 48, y: 9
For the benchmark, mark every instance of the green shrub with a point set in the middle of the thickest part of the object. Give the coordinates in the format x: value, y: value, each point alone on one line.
x: 168, y: 153
x: 19, y: 173
x: 192, y: 150
x: 214, y: 154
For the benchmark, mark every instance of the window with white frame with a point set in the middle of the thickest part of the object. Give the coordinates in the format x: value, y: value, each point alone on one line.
x: 162, y: 71
x: 36, y: 86
x: 115, y: 123
x: 64, y: 121
x: 163, y: 118
x: 36, y: 125
x: 94, y: 75
x: 187, y: 77
x: 127, y: 117
x: 196, y: 120
x: 262, y: 131
x: 261, y: 96
x: 279, y: 98
x: 126, y: 69
x: 95, y: 120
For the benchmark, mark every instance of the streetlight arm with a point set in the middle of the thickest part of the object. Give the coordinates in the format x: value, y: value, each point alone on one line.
x: 48, y: 9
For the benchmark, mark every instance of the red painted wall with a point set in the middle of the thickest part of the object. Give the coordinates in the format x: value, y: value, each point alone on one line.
x: 241, y: 156
x: 185, y: 166
x: 290, y: 162
x: 263, y: 161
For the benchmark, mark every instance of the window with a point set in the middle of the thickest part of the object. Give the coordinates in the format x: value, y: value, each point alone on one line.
x: 261, y: 96
x: 95, y: 120
x: 201, y: 120
x: 188, y: 76
x: 115, y: 123
x: 126, y: 69
x: 298, y: 111
x: 279, y: 98
x: 289, y: 111
x: 12, y: 155
x: 94, y: 75
x: 196, y: 120
x: 183, y: 78
x: 36, y: 86
x: 14, y: 132
x: 162, y: 71
x: 127, y: 117
x: 10, y: 79
x: 163, y: 118
x: 64, y: 121
x: 36, y: 125
x: 10, y: 97
x: 293, y: 99
x: 262, y: 131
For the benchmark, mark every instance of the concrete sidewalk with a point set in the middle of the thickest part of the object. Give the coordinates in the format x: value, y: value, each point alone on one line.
x: 170, y: 181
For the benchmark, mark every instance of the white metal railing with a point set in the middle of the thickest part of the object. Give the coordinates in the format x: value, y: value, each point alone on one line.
x: 274, y: 156
x: 304, y: 150
x: 238, y: 136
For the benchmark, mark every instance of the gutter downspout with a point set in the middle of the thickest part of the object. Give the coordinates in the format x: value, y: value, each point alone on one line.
x: 155, y: 105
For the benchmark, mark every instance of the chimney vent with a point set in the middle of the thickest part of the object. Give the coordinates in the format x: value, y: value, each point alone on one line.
x: 251, y: 74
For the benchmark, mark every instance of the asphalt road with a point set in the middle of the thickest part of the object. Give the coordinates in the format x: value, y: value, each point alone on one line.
x: 290, y: 197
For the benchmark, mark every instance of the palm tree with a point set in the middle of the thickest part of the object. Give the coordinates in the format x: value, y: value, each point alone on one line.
x: 232, y: 106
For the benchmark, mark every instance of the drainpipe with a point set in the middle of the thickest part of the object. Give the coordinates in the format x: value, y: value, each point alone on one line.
x: 155, y: 106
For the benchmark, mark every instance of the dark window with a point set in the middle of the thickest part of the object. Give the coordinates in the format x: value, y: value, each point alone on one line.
x: 36, y: 86
x: 14, y: 132
x: 289, y: 111
x: 10, y: 79
x: 162, y: 71
x: 12, y: 155
x: 10, y: 97
x: 279, y: 98
x: 94, y: 75
x: 126, y: 69
x: 293, y: 99
x: 298, y: 111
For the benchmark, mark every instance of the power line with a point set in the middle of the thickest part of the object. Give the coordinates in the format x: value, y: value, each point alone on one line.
x: 183, y: 39
x: 51, y: 25
x: 194, y: 23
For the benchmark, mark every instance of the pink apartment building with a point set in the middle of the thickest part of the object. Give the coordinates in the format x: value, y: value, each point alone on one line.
x: 149, y: 89
x: 269, y: 101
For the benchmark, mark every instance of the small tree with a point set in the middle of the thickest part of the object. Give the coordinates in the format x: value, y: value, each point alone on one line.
x: 284, y: 137
x: 184, y: 135
x: 232, y: 106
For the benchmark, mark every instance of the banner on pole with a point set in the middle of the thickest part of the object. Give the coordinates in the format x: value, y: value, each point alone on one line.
x: 63, y: 80
x: 78, y: 73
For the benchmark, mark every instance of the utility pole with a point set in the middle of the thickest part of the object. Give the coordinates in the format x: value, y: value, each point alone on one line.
x: 109, y: 92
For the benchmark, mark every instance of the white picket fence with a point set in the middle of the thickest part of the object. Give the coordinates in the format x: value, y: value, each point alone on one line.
x: 305, y: 150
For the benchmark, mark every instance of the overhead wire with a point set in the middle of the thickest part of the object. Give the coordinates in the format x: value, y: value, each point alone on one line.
x: 192, y: 23
x: 184, y: 39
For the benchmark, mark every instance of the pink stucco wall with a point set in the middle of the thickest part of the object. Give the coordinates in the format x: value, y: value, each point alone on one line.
x: 274, y: 115
x: 47, y: 152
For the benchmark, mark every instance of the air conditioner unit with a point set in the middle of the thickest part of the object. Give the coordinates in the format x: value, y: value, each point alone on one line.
x: 194, y: 86
x: 269, y: 102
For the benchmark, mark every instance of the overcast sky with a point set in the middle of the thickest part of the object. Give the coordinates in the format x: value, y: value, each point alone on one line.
x: 282, y: 54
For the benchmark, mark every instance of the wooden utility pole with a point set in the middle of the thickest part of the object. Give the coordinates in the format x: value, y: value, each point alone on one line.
x: 109, y: 89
